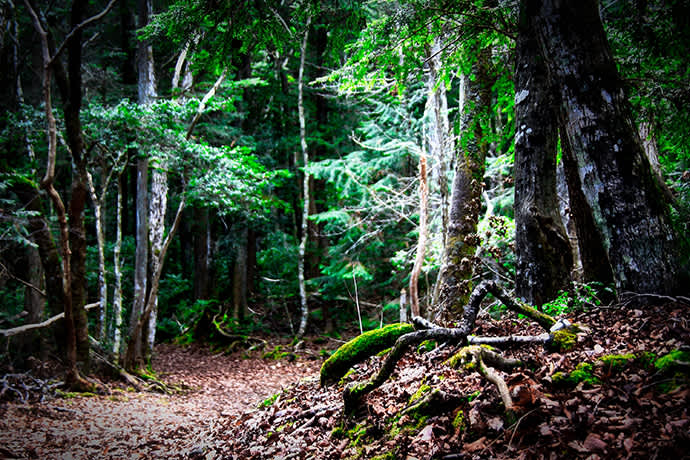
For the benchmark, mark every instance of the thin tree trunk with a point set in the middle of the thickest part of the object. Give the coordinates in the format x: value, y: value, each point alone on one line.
x: 623, y: 194
x: 117, y: 272
x: 542, y: 249
x: 305, y: 187
x: 99, y: 214
x: 239, y: 279
x: 157, y: 207
x: 421, y: 241
x: 132, y: 360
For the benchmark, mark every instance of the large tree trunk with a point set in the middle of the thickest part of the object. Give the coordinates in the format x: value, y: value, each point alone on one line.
x: 542, y: 249
x: 593, y: 258
x: 465, y: 202
x: 623, y: 194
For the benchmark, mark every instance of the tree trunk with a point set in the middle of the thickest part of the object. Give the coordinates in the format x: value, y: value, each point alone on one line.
x: 48, y: 251
x: 157, y: 207
x: 99, y: 215
x: 439, y: 139
x: 146, y: 90
x: 239, y: 279
x: 304, y: 312
x: 593, y: 258
x: 465, y: 202
x: 623, y: 194
x: 141, y: 255
x: 421, y: 241
x: 202, y: 248
x: 72, y: 374
x: 117, y: 272
x: 542, y: 249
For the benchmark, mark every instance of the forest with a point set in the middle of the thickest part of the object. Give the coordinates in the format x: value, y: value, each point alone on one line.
x: 466, y: 221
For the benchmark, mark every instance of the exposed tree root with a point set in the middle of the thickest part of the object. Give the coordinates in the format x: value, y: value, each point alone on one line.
x: 354, y: 392
x: 476, y: 357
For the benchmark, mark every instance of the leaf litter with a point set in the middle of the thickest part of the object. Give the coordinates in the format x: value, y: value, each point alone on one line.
x: 628, y: 408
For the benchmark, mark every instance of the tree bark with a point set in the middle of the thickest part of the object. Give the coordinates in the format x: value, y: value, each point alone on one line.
x: 542, y: 249
x: 465, y: 202
x: 146, y: 91
x: 625, y: 199
x: 304, y: 310
x: 593, y: 257
x: 202, y: 251
x: 117, y: 272
x: 421, y: 241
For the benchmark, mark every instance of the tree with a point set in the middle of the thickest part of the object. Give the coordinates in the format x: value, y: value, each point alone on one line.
x: 465, y: 202
x: 72, y: 236
x: 542, y: 249
x: 623, y: 195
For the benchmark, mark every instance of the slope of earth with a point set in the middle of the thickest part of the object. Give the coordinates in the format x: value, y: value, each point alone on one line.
x: 127, y: 424
x: 611, y: 396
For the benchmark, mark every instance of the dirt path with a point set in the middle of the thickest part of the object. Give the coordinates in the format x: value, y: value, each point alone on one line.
x: 148, y: 425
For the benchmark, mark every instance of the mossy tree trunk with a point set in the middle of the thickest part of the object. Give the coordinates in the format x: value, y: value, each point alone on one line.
x: 465, y: 202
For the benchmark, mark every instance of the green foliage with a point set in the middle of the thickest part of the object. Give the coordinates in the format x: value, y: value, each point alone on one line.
x: 583, y: 296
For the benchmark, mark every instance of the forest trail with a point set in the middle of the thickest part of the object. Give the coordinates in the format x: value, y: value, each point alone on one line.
x: 149, y: 425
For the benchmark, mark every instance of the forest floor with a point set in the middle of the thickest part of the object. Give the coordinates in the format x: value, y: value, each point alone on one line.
x: 124, y: 424
x: 620, y: 402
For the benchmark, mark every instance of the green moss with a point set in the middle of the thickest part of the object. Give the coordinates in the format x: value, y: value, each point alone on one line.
x: 384, y: 352
x: 669, y: 362
x: 337, y: 432
x: 559, y: 377
x: 343, y: 380
x: 268, y: 402
x: 359, y: 349
x: 646, y: 358
x: 581, y: 374
x: 614, y: 363
x: 278, y: 354
x: 426, y: 346
x: 474, y: 396
x: 386, y: 456
x: 423, y: 389
x: 356, y: 434
x: 564, y: 340
x: 73, y: 394
x: 459, y: 421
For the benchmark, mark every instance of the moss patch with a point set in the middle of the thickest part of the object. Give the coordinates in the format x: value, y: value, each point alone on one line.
x: 669, y: 362
x: 614, y: 363
x: 581, y: 374
x: 359, y: 349
x: 564, y: 340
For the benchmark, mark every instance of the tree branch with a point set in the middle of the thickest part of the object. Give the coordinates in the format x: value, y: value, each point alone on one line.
x: 80, y: 26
